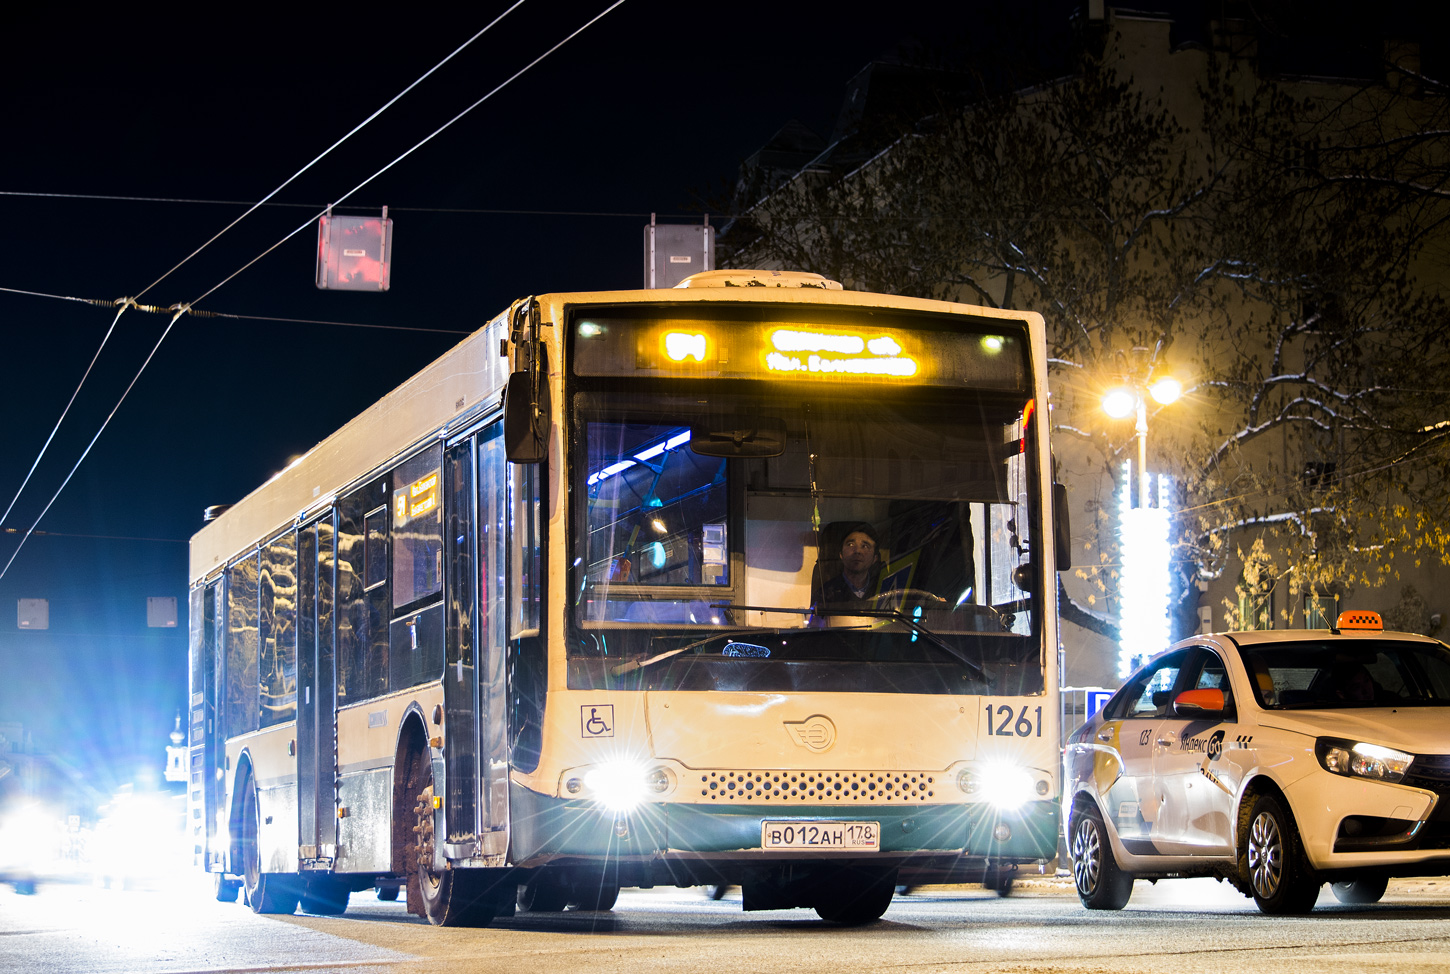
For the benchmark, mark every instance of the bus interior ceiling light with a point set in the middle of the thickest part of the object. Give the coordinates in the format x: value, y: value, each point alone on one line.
x: 649, y: 453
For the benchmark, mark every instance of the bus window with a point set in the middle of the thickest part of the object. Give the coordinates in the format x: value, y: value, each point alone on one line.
x: 417, y: 537
x: 277, y: 630
x: 241, y: 669
x: 375, y: 547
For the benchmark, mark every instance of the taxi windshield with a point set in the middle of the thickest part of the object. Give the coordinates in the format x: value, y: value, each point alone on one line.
x: 1335, y: 674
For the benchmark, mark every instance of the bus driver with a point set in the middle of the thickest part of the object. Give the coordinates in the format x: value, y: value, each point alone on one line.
x: 859, y: 566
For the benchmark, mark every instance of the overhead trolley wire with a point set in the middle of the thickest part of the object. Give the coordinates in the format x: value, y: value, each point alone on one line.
x: 200, y: 313
x: 188, y: 307
x: 470, y: 210
x: 424, y: 141
x: 46, y: 445
x: 355, y: 129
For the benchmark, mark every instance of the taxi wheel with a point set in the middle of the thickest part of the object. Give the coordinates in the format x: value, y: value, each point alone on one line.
x: 1101, y: 885
x: 1361, y: 892
x: 1280, y: 881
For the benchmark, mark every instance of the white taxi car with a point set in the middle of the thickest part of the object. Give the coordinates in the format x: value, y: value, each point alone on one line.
x: 1277, y: 760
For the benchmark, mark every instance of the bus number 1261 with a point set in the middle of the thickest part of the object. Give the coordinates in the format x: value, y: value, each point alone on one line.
x: 1006, y: 726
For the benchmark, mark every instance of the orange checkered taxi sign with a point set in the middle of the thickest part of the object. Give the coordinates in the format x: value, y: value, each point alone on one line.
x: 1359, y: 619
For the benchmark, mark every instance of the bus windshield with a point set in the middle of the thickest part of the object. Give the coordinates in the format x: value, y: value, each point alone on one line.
x: 761, y: 537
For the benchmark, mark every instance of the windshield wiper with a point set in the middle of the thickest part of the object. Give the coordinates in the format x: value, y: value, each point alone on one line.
x: 915, y: 626
x: 629, y: 666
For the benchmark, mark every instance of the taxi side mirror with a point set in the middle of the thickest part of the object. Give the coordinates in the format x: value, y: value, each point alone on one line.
x: 1200, y: 703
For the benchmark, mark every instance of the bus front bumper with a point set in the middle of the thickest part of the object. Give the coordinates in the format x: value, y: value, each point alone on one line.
x: 929, y: 839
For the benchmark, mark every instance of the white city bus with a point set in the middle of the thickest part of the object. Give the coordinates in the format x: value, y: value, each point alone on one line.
x: 562, y: 614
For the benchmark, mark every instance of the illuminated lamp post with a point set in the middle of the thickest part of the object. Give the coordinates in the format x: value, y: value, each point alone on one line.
x: 1143, y: 532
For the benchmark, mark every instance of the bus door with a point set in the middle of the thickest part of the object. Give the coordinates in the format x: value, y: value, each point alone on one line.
x: 491, y: 529
x: 316, y: 700
x: 206, y: 785
x: 460, y: 677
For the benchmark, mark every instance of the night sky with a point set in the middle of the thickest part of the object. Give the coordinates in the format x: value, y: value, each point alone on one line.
x: 651, y: 109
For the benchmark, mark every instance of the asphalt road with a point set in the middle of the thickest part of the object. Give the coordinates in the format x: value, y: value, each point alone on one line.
x: 1183, y: 925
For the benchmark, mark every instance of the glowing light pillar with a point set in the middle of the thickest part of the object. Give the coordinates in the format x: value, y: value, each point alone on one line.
x: 1143, y: 541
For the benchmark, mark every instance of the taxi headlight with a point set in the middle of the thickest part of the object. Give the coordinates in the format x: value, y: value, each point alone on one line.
x: 1354, y: 759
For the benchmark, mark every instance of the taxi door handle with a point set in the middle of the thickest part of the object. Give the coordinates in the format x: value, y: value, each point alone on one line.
x: 1165, y: 741
x: 1105, y: 735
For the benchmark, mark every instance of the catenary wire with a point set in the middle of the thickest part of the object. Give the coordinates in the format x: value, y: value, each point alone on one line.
x: 123, y: 305
x: 357, y: 128
x: 425, y: 140
x: 86, y: 452
x: 470, y: 210
x: 199, y: 313
x: 185, y: 308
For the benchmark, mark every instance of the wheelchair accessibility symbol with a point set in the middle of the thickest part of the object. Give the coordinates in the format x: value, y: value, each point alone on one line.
x: 597, y: 721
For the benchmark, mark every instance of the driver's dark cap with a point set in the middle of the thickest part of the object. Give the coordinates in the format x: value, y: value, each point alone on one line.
x: 863, y: 528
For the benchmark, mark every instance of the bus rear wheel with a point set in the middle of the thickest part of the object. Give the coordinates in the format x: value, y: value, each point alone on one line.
x: 451, y: 897
x: 266, y: 892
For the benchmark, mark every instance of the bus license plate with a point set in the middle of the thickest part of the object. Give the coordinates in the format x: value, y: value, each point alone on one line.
x: 823, y: 836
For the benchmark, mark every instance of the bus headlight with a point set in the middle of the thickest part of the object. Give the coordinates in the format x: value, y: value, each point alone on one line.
x: 1006, y: 786
x: 621, y: 784
x: 1362, y: 760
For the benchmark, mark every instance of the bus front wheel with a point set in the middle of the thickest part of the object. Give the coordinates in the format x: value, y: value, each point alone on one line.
x: 451, y: 897
x: 855, y: 897
x: 266, y: 892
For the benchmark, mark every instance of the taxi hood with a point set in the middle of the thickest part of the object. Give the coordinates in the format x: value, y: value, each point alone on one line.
x: 1419, y: 730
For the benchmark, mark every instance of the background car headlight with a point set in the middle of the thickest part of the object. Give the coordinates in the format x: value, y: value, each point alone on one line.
x: 1361, y: 760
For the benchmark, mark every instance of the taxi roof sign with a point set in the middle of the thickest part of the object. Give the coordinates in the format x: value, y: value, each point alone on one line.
x: 1359, y: 619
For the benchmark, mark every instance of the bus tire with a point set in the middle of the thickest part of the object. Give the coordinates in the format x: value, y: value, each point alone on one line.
x: 224, y: 890
x: 542, y: 894
x: 1000, y: 880
x: 452, y: 897
x: 266, y: 892
x: 594, y: 897
x: 325, y: 896
x: 1362, y: 891
x: 1101, y: 885
x: 1281, y: 881
x: 853, y: 897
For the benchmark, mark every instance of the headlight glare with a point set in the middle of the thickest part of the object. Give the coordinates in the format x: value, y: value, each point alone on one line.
x: 1362, y: 760
x: 619, y: 785
x: 1006, y: 785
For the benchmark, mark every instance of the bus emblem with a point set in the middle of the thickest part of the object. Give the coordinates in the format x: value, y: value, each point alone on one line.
x: 815, y: 732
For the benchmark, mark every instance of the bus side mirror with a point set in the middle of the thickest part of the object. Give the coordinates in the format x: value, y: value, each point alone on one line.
x: 1061, y: 527
x: 526, y: 417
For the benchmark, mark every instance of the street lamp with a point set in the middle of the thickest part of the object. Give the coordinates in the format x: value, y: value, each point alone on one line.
x: 1143, y: 531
